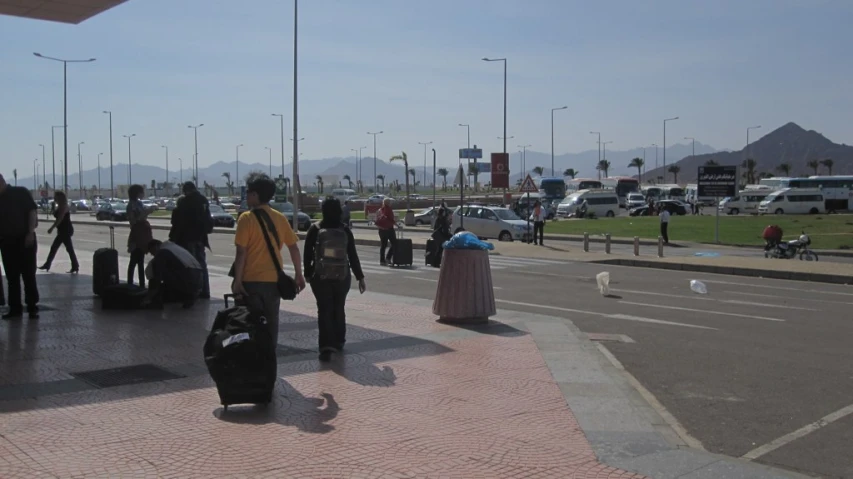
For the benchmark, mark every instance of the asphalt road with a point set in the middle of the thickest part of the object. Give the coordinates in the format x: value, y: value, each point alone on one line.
x: 752, y: 361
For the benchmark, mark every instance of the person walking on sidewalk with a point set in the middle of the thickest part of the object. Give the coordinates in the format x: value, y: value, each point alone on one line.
x: 539, y: 216
x: 386, y: 222
x: 664, y: 225
x: 140, y: 233
x: 329, y: 256
x: 64, y: 232
x: 18, y: 246
x: 191, y: 223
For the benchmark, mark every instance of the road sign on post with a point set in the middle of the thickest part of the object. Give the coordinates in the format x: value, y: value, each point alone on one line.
x: 528, y: 186
x: 719, y: 182
x: 500, y: 170
x: 470, y: 153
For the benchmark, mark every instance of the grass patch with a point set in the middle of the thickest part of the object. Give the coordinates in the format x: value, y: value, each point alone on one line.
x: 161, y: 213
x: 826, y: 231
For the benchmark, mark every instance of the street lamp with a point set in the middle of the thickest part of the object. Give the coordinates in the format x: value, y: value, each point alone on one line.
x: 552, y: 136
x: 112, y: 185
x: 374, y: 155
x: 747, y: 137
x: 80, y: 169
x: 599, y: 143
x: 425, y: 154
x: 281, y: 117
x: 53, y: 154
x: 270, y: 150
x: 43, y: 166
x: 524, y: 160
x: 195, y: 156
x: 129, y: 160
x: 99, y: 172
x: 64, y: 102
x: 35, y: 174
x: 468, y: 127
x: 167, y: 162
x: 501, y: 60
x: 295, y: 181
x: 237, y: 178
x: 603, y: 156
x: 664, y: 143
x: 694, y: 144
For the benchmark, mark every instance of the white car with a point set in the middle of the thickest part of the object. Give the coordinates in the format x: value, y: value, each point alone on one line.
x: 635, y: 200
x: 492, y: 222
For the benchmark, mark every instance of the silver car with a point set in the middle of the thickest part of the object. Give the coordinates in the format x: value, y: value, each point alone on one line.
x: 492, y: 222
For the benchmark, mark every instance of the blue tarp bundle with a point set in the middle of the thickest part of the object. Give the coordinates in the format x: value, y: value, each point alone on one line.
x: 467, y: 240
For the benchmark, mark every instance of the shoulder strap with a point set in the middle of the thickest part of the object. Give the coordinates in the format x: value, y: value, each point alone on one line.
x: 264, y: 220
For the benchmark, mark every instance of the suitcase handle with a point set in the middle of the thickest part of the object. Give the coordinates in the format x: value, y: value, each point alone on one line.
x: 112, y: 237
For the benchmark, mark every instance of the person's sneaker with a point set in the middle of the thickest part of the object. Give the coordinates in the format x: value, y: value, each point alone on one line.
x: 325, y: 355
x: 383, y: 263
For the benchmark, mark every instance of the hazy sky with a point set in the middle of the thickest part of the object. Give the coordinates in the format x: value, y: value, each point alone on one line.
x: 413, y: 69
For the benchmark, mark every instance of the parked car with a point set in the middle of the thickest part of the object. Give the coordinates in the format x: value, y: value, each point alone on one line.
x: 221, y: 217
x: 82, y: 205
x: 112, y: 212
x: 674, y: 207
x: 635, y: 200
x: 425, y: 217
x: 287, y: 210
x: 150, y: 205
x: 377, y: 199
x: 492, y: 223
x: 600, y: 202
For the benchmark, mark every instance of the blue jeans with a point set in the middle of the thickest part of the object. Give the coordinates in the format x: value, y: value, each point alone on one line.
x: 197, y: 250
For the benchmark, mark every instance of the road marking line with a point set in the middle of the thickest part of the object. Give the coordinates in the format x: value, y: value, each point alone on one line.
x: 700, y: 298
x: 422, y: 279
x: 84, y: 240
x: 678, y: 308
x: 800, y: 290
x: 801, y: 432
x: 798, y: 299
x: 625, y: 317
x: 652, y: 401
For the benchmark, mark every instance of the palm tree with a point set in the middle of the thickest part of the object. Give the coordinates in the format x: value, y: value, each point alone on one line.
x: 442, y: 172
x: 348, y: 180
x: 638, y: 164
x: 228, y: 183
x: 784, y: 168
x: 603, y: 166
x: 570, y: 172
x: 381, y: 179
x: 414, y: 181
x: 405, y: 159
x: 472, y: 171
x: 749, y: 165
x: 675, y: 170
x: 711, y: 162
x: 538, y: 170
x: 814, y: 165
x: 319, y: 183
x: 828, y: 163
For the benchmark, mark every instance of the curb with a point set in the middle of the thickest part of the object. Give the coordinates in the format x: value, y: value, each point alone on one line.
x: 732, y: 271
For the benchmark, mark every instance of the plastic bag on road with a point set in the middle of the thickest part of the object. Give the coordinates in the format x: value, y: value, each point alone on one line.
x: 603, y: 280
x: 698, y: 287
x: 467, y: 240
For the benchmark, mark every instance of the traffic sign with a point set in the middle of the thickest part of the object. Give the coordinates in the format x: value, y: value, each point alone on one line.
x: 528, y: 186
x: 471, y: 153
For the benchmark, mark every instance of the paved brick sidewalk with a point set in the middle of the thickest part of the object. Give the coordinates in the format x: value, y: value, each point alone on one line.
x: 411, y: 398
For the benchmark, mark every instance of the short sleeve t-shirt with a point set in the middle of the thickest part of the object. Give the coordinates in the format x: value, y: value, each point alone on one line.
x: 259, y: 266
x: 15, y: 206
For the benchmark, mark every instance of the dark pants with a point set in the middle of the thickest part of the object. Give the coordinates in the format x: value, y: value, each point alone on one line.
x: 331, y: 311
x: 539, y: 229
x: 137, y: 262
x: 664, y: 232
x: 264, y: 297
x: 60, y: 240
x: 387, y: 238
x: 197, y: 249
x: 19, y: 261
x: 173, y: 284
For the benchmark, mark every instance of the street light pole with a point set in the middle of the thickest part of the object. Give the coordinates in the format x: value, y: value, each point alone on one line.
x: 664, y: 143
x: 53, y: 153
x: 237, y: 178
x: 747, y: 138
x: 43, y: 162
x: 524, y: 160
x: 181, y: 166
x: 599, y: 147
x: 360, y: 169
x: 99, y: 173
x: 295, y: 184
x: 270, y: 150
x: 64, y: 103
x: 656, y: 154
x: 129, y: 160
x: 425, y: 159
x: 167, y: 163
x: 604, y: 155
x: 374, y: 156
x: 468, y: 127
x: 80, y: 169
x: 694, y: 144
x: 297, y: 188
x: 112, y: 185
x: 281, y: 117
x: 552, y: 136
x: 195, y: 156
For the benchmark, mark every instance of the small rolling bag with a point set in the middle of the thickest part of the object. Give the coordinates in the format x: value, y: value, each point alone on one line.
x: 403, y: 254
x: 105, y: 266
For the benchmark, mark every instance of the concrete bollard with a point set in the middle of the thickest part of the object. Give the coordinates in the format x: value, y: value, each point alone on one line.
x: 660, y: 246
x: 607, y: 243
x: 586, y: 242
x: 636, y: 246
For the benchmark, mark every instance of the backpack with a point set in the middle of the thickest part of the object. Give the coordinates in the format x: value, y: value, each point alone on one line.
x: 330, y: 255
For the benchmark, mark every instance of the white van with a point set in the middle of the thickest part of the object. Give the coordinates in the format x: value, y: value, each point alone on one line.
x: 691, y: 195
x: 745, y: 202
x: 793, y: 201
x: 598, y: 202
x: 343, y: 194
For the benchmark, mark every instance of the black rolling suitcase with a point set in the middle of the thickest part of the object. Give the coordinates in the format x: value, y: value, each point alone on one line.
x: 432, y: 255
x: 105, y: 266
x: 240, y: 356
x: 2, y: 291
x: 123, y: 296
x: 403, y: 251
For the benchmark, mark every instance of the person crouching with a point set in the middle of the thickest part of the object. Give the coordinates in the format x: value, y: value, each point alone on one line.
x: 173, y: 275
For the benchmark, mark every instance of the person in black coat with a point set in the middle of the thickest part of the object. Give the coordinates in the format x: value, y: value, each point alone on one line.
x: 191, y: 223
x: 19, y: 248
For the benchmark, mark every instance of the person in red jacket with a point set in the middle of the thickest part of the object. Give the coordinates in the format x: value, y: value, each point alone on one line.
x: 386, y: 222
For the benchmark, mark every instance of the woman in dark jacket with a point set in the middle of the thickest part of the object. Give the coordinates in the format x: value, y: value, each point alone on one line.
x: 329, y: 256
x: 64, y: 232
x: 140, y: 233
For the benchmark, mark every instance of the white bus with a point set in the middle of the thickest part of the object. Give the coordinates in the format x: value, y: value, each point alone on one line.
x: 624, y: 185
x: 577, y: 184
x: 671, y: 192
x: 836, y: 189
x: 793, y: 201
x: 773, y: 183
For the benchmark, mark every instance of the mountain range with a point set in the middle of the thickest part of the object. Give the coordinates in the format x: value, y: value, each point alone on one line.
x: 789, y: 144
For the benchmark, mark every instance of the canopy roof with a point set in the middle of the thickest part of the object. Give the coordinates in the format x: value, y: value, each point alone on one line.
x: 64, y: 11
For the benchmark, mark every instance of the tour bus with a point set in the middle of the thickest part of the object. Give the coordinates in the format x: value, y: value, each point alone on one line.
x: 551, y: 189
x: 773, y: 183
x: 836, y: 189
x: 577, y: 184
x: 746, y: 201
x: 793, y: 201
x: 671, y: 192
x: 623, y: 186
x: 343, y: 194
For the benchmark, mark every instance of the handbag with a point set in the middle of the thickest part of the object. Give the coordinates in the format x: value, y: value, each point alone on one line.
x: 286, y: 285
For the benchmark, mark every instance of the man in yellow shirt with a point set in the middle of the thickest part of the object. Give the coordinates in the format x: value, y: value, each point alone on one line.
x: 254, y: 272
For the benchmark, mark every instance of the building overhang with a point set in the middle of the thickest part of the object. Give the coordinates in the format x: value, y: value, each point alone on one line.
x: 63, y: 11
